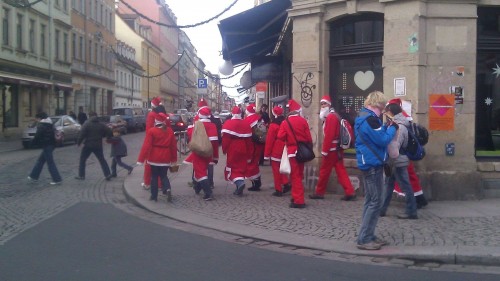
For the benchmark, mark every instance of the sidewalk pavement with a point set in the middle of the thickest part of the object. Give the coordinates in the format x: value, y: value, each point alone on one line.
x: 451, y: 232
x: 10, y: 145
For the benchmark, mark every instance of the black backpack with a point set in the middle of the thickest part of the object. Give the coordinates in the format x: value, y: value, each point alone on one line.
x: 418, y: 136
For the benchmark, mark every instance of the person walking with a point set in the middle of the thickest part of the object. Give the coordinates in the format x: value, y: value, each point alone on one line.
x: 118, y: 151
x: 156, y: 108
x: 45, y: 137
x: 273, y: 151
x: 82, y: 116
x: 253, y: 171
x: 300, y: 133
x: 333, y: 154
x: 201, y: 163
x: 159, y: 149
x: 414, y: 180
x: 237, y: 145
x: 372, y: 139
x: 399, y: 164
x: 91, y: 136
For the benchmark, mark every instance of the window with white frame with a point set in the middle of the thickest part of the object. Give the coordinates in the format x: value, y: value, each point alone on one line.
x: 43, y: 41
x: 19, y: 32
x: 5, y: 27
x: 32, y: 35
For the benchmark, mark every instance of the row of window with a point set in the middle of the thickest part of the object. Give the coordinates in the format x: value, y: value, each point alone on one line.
x: 124, y: 80
x: 98, y: 11
x: 96, y: 51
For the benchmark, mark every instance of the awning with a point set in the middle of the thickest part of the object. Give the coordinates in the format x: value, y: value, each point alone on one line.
x: 254, y: 32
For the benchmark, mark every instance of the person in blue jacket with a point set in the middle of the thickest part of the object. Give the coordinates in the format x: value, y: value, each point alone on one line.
x: 372, y: 139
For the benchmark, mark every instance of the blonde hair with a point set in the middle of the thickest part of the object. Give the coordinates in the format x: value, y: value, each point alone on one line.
x: 375, y: 99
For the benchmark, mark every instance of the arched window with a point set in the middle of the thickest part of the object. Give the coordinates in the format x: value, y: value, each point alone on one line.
x: 356, y: 49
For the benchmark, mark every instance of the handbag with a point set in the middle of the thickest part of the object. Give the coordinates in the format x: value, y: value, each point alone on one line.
x: 387, y: 167
x: 304, y: 152
x: 285, y: 167
x: 200, y: 144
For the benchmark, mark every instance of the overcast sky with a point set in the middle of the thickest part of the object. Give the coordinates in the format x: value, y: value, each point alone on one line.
x: 206, y: 38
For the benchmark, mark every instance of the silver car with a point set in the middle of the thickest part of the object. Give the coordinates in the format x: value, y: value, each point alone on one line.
x: 67, y: 126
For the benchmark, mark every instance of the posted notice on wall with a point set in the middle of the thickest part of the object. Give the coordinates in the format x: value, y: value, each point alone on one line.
x: 400, y: 87
x: 442, y: 112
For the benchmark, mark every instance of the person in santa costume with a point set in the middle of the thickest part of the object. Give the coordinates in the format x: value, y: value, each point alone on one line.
x: 159, y: 150
x: 200, y: 163
x: 273, y: 151
x: 237, y: 145
x: 253, y: 171
x: 414, y: 181
x: 332, y: 153
x: 156, y: 108
x: 300, y: 133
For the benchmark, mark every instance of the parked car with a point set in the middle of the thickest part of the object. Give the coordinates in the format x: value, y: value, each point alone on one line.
x: 134, y: 116
x: 114, y: 122
x: 64, y: 124
x: 178, y: 122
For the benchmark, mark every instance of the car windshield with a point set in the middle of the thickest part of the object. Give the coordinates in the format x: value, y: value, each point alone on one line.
x: 115, y: 119
x: 120, y: 111
x: 175, y: 118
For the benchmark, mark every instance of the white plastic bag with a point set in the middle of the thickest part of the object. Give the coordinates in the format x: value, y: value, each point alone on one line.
x: 285, y: 163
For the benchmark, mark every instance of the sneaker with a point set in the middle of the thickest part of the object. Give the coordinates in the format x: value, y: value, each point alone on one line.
x: 108, y: 177
x: 370, y: 246
x: 145, y: 186
x: 32, y: 179
x: 316, y: 196
x: 381, y: 242
x: 407, y: 217
x: 55, y: 182
x: 208, y: 197
x: 348, y: 198
x: 130, y: 171
x: 79, y: 178
x: 169, y: 195
x: 277, y: 193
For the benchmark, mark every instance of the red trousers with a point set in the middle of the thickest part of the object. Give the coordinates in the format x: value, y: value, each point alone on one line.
x: 296, y: 177
x: 414, y: 181
x: 279, y: 179
x: 253, y: 171
x: 329, y: 162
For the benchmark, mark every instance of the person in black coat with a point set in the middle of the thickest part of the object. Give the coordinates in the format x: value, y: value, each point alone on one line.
x: 45, y: 137
x: 91, y: 135
x: 82, y: 116
x: 118, y: 150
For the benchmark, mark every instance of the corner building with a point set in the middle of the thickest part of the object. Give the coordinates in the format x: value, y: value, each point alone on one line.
x: 412, y: 49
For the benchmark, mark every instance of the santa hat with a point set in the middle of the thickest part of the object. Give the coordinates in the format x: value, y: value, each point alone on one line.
x: 395, y: 101
x: 202, y: 103
x: 155, y: 102
x: 293, y: 105
x: 251, y: 108
x: 204, y: 112
x: 277, y: 111
x: 326, y: 99
x: 236, y: 110
x: 161, y: 119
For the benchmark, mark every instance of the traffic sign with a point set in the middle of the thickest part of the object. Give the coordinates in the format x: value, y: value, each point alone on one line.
x: 202, y: 83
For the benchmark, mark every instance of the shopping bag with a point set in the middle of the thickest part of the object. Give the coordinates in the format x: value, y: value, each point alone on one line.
x: 200, y: 144
x: 285, y: 163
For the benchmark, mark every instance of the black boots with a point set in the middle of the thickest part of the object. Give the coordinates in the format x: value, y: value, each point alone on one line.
x: 421, y: 201
x: 286, y: 188
x: 256, y: 184
x: 205, y: 185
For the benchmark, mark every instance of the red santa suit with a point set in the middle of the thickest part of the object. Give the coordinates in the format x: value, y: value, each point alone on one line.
x: 302, y: 134
x: 200, y: 164
x: 332, y: 156
x: 150, y: 122
x: 274, y: 149
x: 237, y: 145
x: 253, y: 171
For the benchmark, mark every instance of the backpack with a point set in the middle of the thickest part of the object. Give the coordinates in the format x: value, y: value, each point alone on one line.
x: 418, y: 136
x: 58, y: 136
x: 346, y: 136
x: 259, y: 132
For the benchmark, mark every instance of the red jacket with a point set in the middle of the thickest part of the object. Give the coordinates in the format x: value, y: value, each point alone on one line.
x: 301, y: 130
x: 274, y: 146
x: 212, y: 136
x: 331, y: 131
x: 150, y: 119
x: 159, y: 147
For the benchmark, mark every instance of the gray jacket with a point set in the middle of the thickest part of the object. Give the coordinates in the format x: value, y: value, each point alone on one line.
x: 93, y: 132
x: 400, y: 140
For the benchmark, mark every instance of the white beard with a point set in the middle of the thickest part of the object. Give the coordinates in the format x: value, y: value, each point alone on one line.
x: 323, y: 113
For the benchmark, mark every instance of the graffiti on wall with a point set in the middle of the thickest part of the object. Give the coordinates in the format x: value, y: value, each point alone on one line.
x: 306, y: 88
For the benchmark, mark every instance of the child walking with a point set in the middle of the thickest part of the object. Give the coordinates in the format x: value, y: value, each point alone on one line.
x: 118, y: 150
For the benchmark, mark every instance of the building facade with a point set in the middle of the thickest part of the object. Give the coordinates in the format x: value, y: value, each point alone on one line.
x: 35, y: 63
x: 93, y: 38
x: 441, y: 57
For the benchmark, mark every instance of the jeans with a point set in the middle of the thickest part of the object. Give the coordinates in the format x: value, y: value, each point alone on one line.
x: 211, y: 174
x: 374, y: 182
x: 118, y: 160
x: 46, y: 156
x: 161, y: 173
x: 86, y: 151
x: 400, y: 174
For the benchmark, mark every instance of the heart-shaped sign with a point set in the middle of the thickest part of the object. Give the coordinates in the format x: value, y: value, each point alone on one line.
x: 364, y: 79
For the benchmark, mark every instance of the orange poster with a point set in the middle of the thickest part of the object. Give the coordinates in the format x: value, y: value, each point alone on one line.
x: 441, y: 112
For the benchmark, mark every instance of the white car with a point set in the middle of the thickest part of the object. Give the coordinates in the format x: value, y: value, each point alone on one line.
x: 66, y: 125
